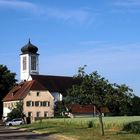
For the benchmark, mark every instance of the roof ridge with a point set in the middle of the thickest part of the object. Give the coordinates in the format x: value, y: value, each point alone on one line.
x: 25, y: 90
x: 52, y: 76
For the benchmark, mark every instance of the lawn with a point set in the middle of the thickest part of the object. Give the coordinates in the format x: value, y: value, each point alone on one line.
x: 77, y: 128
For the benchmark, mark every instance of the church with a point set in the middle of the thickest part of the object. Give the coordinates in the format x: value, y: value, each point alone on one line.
x: 37, y: 92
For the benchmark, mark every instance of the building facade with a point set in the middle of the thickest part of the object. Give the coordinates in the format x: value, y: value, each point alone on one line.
x: 38, y: 93
x: 37, y: 101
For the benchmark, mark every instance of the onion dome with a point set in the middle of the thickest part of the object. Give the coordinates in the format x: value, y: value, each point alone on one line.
x: 29, y: 48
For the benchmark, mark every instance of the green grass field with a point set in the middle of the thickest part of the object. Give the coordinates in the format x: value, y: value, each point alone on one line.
x: 77, y: 128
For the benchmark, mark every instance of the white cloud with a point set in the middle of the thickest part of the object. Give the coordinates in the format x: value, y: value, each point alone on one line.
x: 79, y: 16
x: 126, y: 6
x: 70, y: 15
x: 24, y: 6
x: 16, y: 4
x: 127, y: 3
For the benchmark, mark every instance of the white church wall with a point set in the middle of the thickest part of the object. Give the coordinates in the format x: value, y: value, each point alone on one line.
x: 24, y: 73
x: 57, y: 96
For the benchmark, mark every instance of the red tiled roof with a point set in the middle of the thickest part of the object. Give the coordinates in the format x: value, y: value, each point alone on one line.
x: 21, y: 90
x: 55, y: 83
x: 76, y: 108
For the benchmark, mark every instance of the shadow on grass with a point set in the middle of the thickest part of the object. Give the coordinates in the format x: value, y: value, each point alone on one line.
x: 27, y: 135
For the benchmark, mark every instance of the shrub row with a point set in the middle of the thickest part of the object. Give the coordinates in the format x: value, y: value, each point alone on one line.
x: 132, y: 127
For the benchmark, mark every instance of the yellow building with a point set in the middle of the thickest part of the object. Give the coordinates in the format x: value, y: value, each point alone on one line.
x: 37, y: 101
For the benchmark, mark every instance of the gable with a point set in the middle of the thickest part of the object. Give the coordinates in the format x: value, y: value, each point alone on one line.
x: 22, y: 89
x: 43, y: 95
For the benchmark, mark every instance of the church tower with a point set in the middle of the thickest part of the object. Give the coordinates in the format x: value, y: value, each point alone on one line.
x: 28, y: 61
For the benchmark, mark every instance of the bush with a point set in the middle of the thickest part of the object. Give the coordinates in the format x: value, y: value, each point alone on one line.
x: 90, y: 124
x: 16, y: 112
x: 133, y: 127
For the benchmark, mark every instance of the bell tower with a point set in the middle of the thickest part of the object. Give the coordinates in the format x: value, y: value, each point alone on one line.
x: 29, y: 63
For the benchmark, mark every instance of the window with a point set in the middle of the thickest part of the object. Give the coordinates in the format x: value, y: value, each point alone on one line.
x: 24, y: 63
x: 37, y: 114
x: 36, y: 103
x: 45, y: 114
x: 29, y: 114
x: 41, y: 103
x: 46, y: 103
x: 28, y: 103
x: 33, y: 62
x: 32, y: 103
x: 37, y: 94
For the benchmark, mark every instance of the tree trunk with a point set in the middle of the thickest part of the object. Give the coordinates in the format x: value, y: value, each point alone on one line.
x: 101, y: 123
x: 94, y: 111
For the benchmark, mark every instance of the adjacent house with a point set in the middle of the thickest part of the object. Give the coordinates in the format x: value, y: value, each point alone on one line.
x: 85, y: 110
x: 37, y: 101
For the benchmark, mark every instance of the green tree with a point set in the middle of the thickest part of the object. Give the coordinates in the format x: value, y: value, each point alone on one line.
x: 97, y: 91
x: 7, y: 81
x: 121, y: 100
x: 135, y: 105
x: 16, y: 112
x: 59, y: 109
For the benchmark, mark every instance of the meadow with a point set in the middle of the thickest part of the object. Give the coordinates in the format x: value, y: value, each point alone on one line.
x: 78, y: 128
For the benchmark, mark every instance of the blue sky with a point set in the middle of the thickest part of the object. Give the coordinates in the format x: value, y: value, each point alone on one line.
x: 103, y: 34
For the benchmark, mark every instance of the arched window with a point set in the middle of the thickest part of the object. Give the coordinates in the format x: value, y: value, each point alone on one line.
x: 24, y: 63
x: 33, y: 62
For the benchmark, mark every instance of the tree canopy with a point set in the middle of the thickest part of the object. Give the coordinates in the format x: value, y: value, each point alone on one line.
x: 7, y: 81
x: 96, y: 90
x: 59, y: 109
x: 135, y: 109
